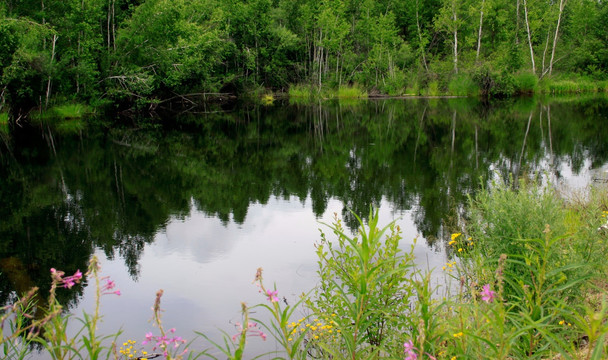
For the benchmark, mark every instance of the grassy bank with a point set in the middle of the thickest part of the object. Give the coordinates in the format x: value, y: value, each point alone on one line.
x: 525, y: 279
x: 481, y: 82
x: 309, y: 92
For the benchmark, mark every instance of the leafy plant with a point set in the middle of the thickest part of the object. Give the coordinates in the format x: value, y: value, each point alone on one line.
x: 367, y: 283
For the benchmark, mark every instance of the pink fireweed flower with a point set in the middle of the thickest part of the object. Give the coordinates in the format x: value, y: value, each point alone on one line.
x: 66, y: 281
x: 409, y: 350
x: 108, y: 287
x: 149, y: 337
x: 487, y: 295
x: 272, y: 295
x: 163, y: 342
x: 251, y: 330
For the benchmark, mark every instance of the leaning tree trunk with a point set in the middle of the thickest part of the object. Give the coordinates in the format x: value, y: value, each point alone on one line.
x: 562, y: 4
x: 420, y: 39
x: 479, y: 33
x: 529, y: 36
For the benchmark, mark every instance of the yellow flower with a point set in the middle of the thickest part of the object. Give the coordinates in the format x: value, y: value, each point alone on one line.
x: 459, y: 249
x: 562, y: 322
x: 443, y: 268
x: 453, y: 358
x: 452, y: 242
x: 459, y: 334
x: 454, y: 236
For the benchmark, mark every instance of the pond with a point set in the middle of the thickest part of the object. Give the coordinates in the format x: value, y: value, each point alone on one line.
x: 194, y: 203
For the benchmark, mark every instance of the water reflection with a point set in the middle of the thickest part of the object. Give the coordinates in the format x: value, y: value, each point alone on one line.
x: 196, y: 190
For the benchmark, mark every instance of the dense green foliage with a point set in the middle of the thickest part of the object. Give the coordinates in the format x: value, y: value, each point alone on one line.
x: 135, y: 51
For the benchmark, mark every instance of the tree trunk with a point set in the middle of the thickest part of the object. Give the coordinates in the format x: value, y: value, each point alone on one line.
x: 562, y: 4
x: 108, y: 24
x: 517, y: 23
x: 479, y: 33
x: 48, y: 83
x: 529, y: 37
x: 542, y: 71
x: 455, y: 18
x: 420, y: 39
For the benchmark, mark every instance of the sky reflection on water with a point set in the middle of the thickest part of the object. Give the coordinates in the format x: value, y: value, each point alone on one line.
x: 206, y: 268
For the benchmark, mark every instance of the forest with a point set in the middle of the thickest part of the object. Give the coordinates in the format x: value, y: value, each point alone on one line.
x: 130, y: 52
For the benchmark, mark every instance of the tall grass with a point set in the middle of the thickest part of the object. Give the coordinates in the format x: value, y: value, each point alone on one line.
x: 526, y: 83
x: 71, y: 111
x: 573, y: 85
x: 463, y: 85
x: 351, y: 92
x: 3, y: 122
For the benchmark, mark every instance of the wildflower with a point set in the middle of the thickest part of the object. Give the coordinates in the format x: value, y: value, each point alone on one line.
x: 460, y: 250
x: 251, y: 330
x: 562, y: 322
x: 454, y: 236
x: 108, y: 287
x: 163, y: 341
x: 67, y: 281
x: 487, y: 295
x: 452, y: 242
x: 272, y: 295
x: 458, y: 334
x: 409, y: 350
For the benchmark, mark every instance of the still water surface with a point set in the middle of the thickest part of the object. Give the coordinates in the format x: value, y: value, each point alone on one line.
x: 195, y: 203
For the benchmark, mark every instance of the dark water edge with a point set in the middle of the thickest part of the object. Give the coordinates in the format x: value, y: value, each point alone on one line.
x: 195, y: 202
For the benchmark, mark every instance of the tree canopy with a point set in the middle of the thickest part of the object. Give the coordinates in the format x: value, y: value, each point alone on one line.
x: 129, y: 50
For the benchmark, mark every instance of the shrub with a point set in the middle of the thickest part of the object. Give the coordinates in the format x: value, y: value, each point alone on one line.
x: 463, y: 85
x: 526, y: 82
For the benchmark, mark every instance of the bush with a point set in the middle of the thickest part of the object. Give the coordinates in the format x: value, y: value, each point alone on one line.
x: 463, y: 85
x: 526, y: 83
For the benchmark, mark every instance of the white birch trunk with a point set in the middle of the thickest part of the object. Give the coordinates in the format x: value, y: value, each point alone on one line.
x: 480, y: 29
x: 420, y: 39
x: 529, y: 37
x: 562, y: 4
x: 48, y: 83
x: 455, y: 18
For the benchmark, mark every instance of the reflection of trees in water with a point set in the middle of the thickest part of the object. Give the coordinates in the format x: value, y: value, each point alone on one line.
x: 114, y: 190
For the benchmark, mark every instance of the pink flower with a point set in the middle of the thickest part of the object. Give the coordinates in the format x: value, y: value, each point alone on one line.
x: 272, y: 295
x: 409, y: 350
x: 108, y: 287
x: 149, y: 337
x: 67, y: 281
x: 487, y: 295
x: 251, y: 330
